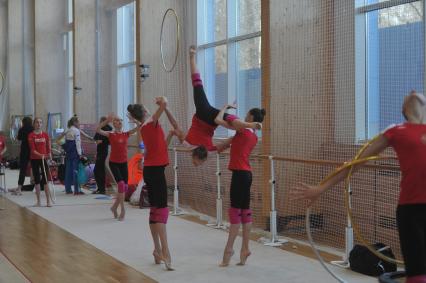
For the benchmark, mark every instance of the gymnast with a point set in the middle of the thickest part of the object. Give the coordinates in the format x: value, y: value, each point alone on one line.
x: 409, y: 142
x: 156, y: 159
x: 242, y: 144
x: 40, y: 151
x: 199, y: 137
x: 118, y: 159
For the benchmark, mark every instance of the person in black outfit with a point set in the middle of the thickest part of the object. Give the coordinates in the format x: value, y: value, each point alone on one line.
x: 24, y: 155
x: 101, y: 155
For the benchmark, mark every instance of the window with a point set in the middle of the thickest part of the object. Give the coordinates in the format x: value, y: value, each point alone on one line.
x: 70, y: 12
x: 68, y: 47
x: 229, y: 42
x: 126, y: 83
x: 391, y: 63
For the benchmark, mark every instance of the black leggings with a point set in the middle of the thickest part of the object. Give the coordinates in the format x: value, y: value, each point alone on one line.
x: 99, y: 172
x: 38, y: 172
x: 203, y: 110
x: 155, y: 181
x: 411, y: 219
x: 119, y: 171
x: 240, y: 189
x: 23, y: 165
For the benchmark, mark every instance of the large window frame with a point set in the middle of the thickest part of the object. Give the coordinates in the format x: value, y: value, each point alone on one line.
x: 126, y: 59
x: 69, y: 55
x: 206, y: 42
x: 366, y: 126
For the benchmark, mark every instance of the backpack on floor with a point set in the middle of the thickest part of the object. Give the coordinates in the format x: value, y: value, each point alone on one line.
x: 61, y: 172
x: 13, y: 163
x: 28, y: 188
x: 81, y: 174
x: 363, y: 261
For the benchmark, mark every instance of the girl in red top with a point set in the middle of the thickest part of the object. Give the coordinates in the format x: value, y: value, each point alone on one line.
x: 409, y: 142
x: 118, y: 159
x: 200, y: 135
x: 242, y: 144
x: 155, y: 160
x: 40, y: 151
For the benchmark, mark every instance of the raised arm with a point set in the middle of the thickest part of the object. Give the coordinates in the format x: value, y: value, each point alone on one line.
x: 177, y: 131
x: 171, y: 118
x: 103, y: 124
x: 192, y: 59
x: 162, y: 104
x: 312, y: 193
x: 138, y: 124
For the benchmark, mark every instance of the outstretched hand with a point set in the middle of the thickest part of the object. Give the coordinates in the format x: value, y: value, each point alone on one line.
x: 307, y: 192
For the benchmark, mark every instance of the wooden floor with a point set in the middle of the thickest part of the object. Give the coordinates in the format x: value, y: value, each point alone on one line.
x: 43, y: 252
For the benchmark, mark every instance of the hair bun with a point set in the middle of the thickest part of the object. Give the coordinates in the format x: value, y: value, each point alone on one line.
x: 263, y: 111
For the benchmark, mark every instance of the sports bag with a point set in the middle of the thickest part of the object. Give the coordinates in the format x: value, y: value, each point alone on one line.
x: 363, y: 261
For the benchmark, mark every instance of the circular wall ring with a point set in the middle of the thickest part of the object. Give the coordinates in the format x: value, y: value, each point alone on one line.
x: 173, y: 13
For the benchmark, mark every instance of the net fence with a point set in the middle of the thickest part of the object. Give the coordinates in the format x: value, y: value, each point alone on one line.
x: 339, y: 72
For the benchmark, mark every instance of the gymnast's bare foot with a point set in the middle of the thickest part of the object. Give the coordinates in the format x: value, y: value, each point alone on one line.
x: 167, y: 261
x: 243, y: 257
x: 157, y: 257
x: 121, y: 217
x: 114, y: 211
x: 226, y: 258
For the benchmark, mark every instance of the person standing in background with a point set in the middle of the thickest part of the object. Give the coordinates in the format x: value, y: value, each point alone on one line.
x: 102, y: 144
x: 72, y: 147
x: 40, y: 151
x: 24, y: 154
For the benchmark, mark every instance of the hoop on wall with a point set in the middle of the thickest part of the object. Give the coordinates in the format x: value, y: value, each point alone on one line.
x: 168, y: 69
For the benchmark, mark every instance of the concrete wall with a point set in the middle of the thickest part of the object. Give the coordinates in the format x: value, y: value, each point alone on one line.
x: 302, y: 76
x: 107, y: 68
x: 20, y: 70
x: 4, y: 104
x: 51, y: 84
x: 85, y: 68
